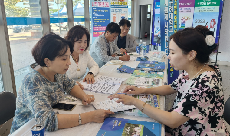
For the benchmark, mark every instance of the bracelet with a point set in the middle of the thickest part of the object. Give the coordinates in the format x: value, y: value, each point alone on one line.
x: 79, y: 119
x: 91, y: 73
x: 143, y: 107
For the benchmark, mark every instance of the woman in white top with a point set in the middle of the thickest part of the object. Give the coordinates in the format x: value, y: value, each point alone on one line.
x: 81, y: 59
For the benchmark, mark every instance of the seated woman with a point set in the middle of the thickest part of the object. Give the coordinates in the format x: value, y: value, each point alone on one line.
x: 46, y: 85
x: 80, y: 58
x: 199, y: 104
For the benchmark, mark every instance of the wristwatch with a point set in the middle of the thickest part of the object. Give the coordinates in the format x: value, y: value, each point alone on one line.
x: 91, y: 73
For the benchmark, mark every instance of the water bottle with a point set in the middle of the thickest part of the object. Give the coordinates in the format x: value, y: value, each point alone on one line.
x: 144, y: 48
x: 140, y: 48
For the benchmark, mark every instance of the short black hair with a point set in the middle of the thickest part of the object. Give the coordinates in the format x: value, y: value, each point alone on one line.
x: 113, y: 28
x: 76, y: 33
x: 125, y: 22
x: 50, y: 46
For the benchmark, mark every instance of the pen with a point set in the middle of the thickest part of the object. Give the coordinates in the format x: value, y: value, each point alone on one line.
x: 125, y: 53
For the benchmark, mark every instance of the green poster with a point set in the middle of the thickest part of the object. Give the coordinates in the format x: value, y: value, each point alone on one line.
x: 201, y: 3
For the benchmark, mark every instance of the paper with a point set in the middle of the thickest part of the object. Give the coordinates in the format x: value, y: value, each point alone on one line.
x: 142, y: 81
x: 112, y: 105
x: 104, y: 84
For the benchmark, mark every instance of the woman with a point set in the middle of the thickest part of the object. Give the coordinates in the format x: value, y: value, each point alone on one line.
x: 80, y: 58
x: 45, y: 86
x: 199, y: 104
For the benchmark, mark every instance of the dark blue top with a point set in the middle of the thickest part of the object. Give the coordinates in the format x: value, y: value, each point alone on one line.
x: 121, y: 42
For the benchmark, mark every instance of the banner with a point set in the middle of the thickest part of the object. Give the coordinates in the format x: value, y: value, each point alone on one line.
x: 207, y: 13
x: 119, y: 10
x: 156, y: 31
x: 100, y: 17
x: 186, y: 11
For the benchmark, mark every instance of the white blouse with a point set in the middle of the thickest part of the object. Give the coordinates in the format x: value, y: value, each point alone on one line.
x: 85, y: 61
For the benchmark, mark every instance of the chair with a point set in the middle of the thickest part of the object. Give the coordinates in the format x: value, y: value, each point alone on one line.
x: 7, y: 108
x: 227, y: 111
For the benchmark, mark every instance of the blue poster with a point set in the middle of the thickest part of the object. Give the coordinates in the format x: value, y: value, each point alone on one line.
x: 125, y: 127
x: 100, y: 17
x: 156, y: 31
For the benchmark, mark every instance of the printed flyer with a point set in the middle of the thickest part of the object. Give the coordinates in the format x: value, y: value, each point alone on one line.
x: 126, y: 127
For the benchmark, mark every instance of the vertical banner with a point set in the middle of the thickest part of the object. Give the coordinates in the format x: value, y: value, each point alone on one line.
x: 156, y: 31
x: 207, y: 14
x: 186, y: 11
x: 169, y: 25
x: 119, y: 10
x: 100, y: 17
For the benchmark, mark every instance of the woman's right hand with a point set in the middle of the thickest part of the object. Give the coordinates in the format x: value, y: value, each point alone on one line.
x: 99, y: 116
x: 133, y: 90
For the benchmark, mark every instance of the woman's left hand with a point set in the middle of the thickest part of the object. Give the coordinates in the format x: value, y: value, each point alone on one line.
x: 80, y: 85
x: 87, y: 99
x: 125, y: 99
x: 89, y: 78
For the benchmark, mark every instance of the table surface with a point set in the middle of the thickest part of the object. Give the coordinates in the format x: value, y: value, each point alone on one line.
x: 91, y: 129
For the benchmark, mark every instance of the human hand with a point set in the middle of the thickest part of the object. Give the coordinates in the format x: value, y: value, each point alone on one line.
x: 87, y: 99
x: 114, y: 55
x: 133, y: 90
x: 124, y: 58
x: 125, y: 99
x: 80, y: 85
x: 89, y: 78
x: 122, y: 50
x: 99, y: 116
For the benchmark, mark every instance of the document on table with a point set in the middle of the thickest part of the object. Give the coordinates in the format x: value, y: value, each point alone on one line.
x: 104, y: 84
x: 112, y: 105
x: 138, y: 81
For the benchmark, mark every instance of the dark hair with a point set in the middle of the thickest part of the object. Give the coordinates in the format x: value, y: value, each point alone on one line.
x: 113, y: 28
x: 190, y: 39
x: 76, y: 33
x: 124, y: 22
x: 50, y: 46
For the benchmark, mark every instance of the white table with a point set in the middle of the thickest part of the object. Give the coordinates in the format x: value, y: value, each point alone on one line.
x: 91, y: 129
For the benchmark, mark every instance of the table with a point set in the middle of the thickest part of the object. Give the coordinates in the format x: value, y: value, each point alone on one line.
x: 91, y: 129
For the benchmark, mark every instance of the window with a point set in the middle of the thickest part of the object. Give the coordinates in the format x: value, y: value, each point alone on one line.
x: 24, y: 29
x: 78, y: 12
x: 58, y: 17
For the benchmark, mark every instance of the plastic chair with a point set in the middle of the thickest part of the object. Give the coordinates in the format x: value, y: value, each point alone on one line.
x: 7, y: 106
x: 227, y: 111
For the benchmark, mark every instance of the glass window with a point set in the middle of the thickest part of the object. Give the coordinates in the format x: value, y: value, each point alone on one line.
x: 58, y: 17
x: 78, y: 12
x: 129, y: 13
x: 24, y: 29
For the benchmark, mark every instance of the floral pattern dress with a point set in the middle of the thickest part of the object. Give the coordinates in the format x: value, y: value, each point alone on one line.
x: 202, y: 100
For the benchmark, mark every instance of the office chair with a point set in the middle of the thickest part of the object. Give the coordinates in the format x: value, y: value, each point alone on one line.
x: 227, y: 111
x: 7, y: 106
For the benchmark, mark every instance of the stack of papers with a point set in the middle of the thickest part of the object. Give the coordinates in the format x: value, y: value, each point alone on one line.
x: 126, y: 69
x: 112, y: 105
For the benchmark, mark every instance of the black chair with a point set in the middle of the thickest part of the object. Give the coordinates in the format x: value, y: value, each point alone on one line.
x: 227, y: 111
x: 7, y: 106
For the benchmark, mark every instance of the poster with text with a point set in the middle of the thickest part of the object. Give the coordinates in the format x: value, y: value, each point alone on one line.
x: 119, y: 10
x: 186, y: 11
x: 100, y: 17
x: 156, y: 30
x: 207, y: 13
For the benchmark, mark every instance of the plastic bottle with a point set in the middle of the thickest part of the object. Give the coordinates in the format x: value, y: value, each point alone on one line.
x: 144, y: 48
x: 140, y: 46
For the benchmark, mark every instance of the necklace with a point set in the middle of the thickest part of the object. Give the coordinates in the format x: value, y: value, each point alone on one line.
x: 76, y: 61
x: 199, y: 71
x: 46, y: 75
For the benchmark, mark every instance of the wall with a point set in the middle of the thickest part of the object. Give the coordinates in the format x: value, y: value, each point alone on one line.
x: 136, y: 18
x: 224, y: 35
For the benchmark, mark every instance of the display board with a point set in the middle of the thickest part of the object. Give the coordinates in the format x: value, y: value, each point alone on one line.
x: 180, y: 14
